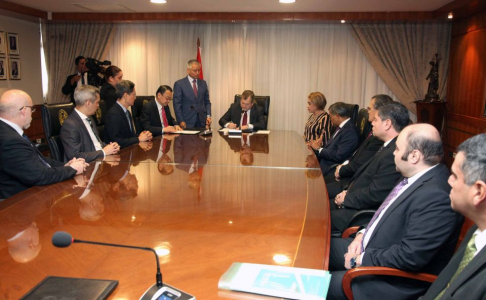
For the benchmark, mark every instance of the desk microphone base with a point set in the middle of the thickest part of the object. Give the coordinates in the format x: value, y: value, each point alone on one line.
x: 166, y: 292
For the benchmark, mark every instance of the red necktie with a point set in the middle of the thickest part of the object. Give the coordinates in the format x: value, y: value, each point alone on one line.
x: 164, y: 117
x: 194, y: 87
x: 245, y: 121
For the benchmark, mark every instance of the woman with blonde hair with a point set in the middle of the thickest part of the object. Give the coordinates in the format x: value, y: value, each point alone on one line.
x: 318, y: 126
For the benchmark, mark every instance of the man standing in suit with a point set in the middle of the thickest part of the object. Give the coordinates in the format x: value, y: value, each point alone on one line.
x: 244, y: 115
x: 374, y: 180
x: 414, y: 229
x: 343, y: 141
x: 465, y: 275
x: 119, y: 125
x: 191, y: 99
x: 79, y: 135
x: 156, y: 116
x: 366, y: 150
x: 21, y: 163
x: 81, y: 77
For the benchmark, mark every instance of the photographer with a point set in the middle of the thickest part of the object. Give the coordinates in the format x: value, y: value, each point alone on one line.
x: 113, y: 75
x: 81, y: 77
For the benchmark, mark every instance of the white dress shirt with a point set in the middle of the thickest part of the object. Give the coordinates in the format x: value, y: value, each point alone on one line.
x: 92, y: 135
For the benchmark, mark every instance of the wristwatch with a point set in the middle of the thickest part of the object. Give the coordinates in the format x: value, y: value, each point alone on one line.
x: 352, y: 262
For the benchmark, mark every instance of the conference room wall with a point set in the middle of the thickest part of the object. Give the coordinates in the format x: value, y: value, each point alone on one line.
x: 285, y: 61
x: 30, y: 59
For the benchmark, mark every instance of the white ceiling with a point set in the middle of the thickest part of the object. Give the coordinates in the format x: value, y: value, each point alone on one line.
x: 233, y: 5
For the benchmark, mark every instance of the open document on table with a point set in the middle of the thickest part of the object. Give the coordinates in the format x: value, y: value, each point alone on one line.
x: 286, y: 282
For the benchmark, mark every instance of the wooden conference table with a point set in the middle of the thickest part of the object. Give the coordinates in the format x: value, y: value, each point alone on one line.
x: 188, y: 197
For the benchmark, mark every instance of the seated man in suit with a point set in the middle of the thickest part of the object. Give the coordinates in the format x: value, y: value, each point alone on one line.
x: 377, y: 177
x: 342, y: 143
x: 21, y: 163
x: 156, y: 116
x: 119, y: 125
x: 79, y: 135
x: 465, y: 275
x: 414, y: 229
x: 366, y: 150
x: 244, y: 115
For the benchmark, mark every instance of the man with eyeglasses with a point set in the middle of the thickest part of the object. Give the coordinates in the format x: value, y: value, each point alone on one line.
x: 21, y: 163
x: 156, y: 116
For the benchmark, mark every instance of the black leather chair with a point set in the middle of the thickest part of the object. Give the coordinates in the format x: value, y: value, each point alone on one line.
x: 53, y: 116
x: 262, y: 101
x: 140, y: 101
x: 354, y: 112
x: 363, y: 124
x: 99, y: 118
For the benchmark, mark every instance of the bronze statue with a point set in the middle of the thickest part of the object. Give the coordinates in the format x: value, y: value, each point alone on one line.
x: 433, y: 78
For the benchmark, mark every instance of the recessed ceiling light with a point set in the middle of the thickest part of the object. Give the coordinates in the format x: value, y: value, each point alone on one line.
x: 286, y: 1
x: 450, y: 16
x: 343, y: 21
x: 158, y: 1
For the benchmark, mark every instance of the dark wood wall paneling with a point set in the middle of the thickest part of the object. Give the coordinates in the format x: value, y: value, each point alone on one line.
x: 466, y: 92
x: 36, y: 129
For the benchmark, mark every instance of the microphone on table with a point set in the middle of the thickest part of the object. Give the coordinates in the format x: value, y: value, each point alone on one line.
x: 206, y: 131
x: 63, y: 239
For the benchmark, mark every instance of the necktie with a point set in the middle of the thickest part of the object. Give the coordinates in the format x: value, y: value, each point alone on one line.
x: 245, y: 140
x: 38, y: 153
x: 129, y: 118
x: 194, y: 87
x: 83, y: 82
x: 245, y: 119
x: 466, y: 259
x: 369, y: 134
x: 385, y: 203
x: 94, y: 132
x: 164, y: 117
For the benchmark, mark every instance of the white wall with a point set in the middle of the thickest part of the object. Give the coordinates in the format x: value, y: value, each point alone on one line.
x: 30, y: 59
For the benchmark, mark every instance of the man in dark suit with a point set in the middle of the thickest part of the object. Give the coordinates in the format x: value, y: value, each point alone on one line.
x: 465, y: 275
x: 79, y: 135
x: 244, y: 115
x: 191, y: 99
x: 366, y: 150
x: 376, y: 178
x: 342, y: 143
x: 81, y: 77
x: 156, y: 116
x: 119, y: 125
x: 21, y: 164
x: 414, y: 229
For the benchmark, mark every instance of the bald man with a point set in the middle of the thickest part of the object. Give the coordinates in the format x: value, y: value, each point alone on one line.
x: 21, y: 164
x: 414, y: 230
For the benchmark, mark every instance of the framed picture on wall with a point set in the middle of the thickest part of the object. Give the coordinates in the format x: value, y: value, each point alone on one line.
x: 3, y: 68
x: 14, y: 68
x: 13, y: 43
x: 3, y: 43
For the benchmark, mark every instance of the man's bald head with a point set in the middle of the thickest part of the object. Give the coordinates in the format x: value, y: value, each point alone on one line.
x: 426, y: 139
x: 13, y: 107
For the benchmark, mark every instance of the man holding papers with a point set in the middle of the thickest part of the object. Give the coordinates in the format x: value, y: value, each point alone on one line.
x: 244, y: 115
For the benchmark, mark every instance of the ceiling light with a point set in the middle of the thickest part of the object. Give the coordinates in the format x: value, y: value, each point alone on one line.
x: 343, y: 21
x: 450, y: 16
x: 158, y: 1
x: 286, y: 1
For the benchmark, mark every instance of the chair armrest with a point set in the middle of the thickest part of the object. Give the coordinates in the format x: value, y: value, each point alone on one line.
x: 362, y: 271
x: 349, y: 231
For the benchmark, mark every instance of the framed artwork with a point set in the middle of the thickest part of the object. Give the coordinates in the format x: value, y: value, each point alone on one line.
x: 14, y: 68
x: 3, y: 43
x: 13, y: 43
x: 3, y: 68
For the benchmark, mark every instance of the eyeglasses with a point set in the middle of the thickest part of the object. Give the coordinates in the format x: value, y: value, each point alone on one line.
x: 32, y: 108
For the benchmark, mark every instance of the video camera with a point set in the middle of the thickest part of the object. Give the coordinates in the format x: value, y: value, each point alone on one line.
x: 95, y: 66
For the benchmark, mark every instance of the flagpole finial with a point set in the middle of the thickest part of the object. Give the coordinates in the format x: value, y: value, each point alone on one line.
x: 198, y: 43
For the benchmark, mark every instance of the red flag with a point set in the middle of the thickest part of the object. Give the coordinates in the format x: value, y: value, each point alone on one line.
x: 198, y: 57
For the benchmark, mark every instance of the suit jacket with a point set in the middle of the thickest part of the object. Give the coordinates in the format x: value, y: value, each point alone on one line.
x: 108, y: 93
x: 21, y: 167
x: 189, y: 149
x: 340, y: 147
x: 187, y: 107
x: 234, y: 113
x: 76, y: 140
x: 150, y: 118
x: 469, y: 284
x: 117, y: 128
x: 68, y: 88
x: 417, y: 233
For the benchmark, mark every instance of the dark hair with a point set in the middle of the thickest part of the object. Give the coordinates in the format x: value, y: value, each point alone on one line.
x: 397, y: 113
x: 76, y: 61
x: 162, y: 89
x: 380, y: 100
x: 247, y: 94
x: 112, y: 71
x: 430, y: 148
x: 341, y: 109
x: 474, y: 166
x: 124, y: 86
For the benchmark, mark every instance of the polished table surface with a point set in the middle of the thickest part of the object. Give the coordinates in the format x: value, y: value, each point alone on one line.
x: 188, y: 197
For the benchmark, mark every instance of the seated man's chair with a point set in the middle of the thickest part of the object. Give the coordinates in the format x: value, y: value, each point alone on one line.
x: 53, y: 115
x: 140, y: 101
x: 262, y: 101
x: 363, y: 125
x: 354, y: 113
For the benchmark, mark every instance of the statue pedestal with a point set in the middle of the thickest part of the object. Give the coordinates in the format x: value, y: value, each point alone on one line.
x: 431, y: 112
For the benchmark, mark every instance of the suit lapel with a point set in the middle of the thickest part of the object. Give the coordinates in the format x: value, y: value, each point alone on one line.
x: 376, y: 156
x: 156, y: 112
x: 189, y: 87
x: 125, y: 120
